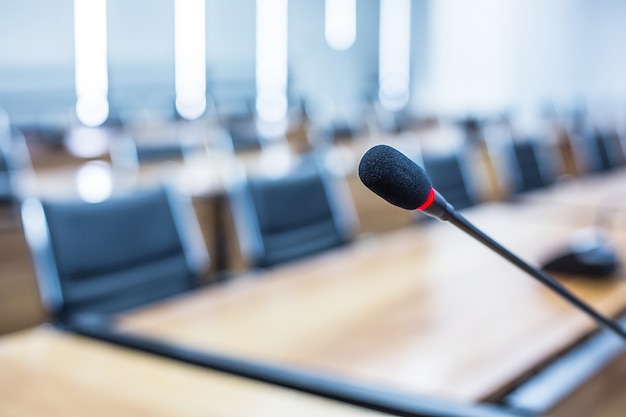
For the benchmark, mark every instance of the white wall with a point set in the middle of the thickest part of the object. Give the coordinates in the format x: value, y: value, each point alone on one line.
x: 140, y: 46
x: 603, y: 34
x: 488, y: 55
x: 468, y: 55
x: 319, y: 71
x: 37, y: 58
x: 230, y: 49
x: 469, y: 60
x: 36, y: 37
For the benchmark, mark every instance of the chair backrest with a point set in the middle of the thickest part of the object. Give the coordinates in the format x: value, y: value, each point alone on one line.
x: 130, y: 152
x: 444, y: 153
x: 6, y: 194
x: 605, y: 142
x: 529, y: 170
x: 14, y: 159
x: 522, y: 158
x: 596, y: 148
x: 448, y: 175
x: 296, y: 215
x: 110, y: 256
x: 243, y: 132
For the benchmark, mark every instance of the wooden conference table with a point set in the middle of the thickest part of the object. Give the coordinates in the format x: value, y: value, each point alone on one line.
x: 422, y: 310
x: 44, y: 372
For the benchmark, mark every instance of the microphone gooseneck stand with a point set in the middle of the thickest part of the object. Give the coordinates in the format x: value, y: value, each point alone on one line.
x: 399, y: 180
x: 462, y: 223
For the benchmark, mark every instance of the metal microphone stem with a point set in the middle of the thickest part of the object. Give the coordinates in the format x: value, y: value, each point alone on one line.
x: 462, y: 223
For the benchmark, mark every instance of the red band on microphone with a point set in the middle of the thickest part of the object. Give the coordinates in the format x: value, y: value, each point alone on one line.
x: 429, y: 200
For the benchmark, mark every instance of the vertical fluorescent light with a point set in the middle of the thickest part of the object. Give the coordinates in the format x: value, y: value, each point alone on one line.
x: 395, y: 52
x: 90, y: 60
x: 189, y: 59
x: 340, y: 23
x: 271, y: 59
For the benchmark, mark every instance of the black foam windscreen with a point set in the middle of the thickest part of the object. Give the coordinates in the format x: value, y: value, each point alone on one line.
x: 394, y: 177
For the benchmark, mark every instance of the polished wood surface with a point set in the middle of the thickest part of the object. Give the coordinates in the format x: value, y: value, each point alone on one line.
x: 19, y: 298
x: 424, y: 309
x: 602, y: 192
x: 47, y: 373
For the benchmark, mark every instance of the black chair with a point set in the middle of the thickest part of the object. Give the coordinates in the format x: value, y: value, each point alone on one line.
x: 111, y: 256
x: 596, y: 148
x: 605, y: 144
x: 6, y: 192
x: 128, y: 151
x: 14, y: 161
x: 243, y: 133
x: 523, y: 158
x: 294, y: 216
x: 529, y: 172
x: 448, y: 175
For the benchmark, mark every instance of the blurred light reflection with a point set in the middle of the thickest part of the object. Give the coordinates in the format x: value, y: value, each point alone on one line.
x: 90, y: 61
x: 395, y: 53
x: 340, y: 23
x: 271, y: 59
x: 94, y: 181
x: 190, y: 57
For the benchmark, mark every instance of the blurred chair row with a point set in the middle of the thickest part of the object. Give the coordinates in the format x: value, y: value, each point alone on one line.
x: 133, y: 249
x: 150, y: 135
x: 145, y: 245
x: 14, y: 159
x: 519, y: 160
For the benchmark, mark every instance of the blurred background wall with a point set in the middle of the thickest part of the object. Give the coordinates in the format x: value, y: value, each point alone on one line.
x: 479, y: 56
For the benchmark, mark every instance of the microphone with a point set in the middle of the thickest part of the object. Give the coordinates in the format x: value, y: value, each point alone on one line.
x: 397, y: 179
